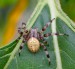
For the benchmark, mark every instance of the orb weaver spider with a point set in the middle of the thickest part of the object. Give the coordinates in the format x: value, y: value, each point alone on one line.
x: 33, y: 37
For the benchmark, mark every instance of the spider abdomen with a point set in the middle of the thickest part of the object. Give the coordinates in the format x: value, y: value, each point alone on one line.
x: 33, y: 44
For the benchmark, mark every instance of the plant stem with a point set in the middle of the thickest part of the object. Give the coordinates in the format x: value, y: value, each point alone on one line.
x: 36, y: 12
x: 53, y: 10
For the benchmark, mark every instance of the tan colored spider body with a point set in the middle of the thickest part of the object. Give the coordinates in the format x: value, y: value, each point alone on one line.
x: 33, y: 44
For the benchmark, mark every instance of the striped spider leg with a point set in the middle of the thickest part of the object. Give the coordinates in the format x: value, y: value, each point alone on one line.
x: 22, y: 30
x: 47, y: 24
x: 49, y: 34
x: 44, y: 41
x: 41, y: 36
x: 44, y: 28
x: 46, y: 52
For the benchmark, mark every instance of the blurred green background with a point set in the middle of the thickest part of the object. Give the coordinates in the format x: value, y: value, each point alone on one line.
x: 11, y: 10
x: 10, y: 13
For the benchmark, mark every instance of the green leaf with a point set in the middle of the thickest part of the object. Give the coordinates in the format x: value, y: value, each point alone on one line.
x: 60, y: 48
x: 5, y: 53
x: 68, y: 7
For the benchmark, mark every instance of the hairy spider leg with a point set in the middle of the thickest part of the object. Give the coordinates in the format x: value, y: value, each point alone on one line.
x: 58, y: 34
x: 46, y: 52
x: 20, y: 31
x: 44, y: 28
x: 21, y: 46
x: 41, y: 37
x: 44, y: 47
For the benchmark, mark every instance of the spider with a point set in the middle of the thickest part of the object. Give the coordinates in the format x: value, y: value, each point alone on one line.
x: 33, y: 37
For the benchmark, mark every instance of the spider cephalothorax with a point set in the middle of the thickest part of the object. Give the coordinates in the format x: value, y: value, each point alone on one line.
x: 33, y: 37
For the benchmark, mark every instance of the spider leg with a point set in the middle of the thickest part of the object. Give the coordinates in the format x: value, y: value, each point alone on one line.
x: 41, y: 37
x: 46, y: 52
x: 21, y: 46
x: 44, y: 28
x: 21, y: 29
x: 58, y: 34
x: 21, y: 32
